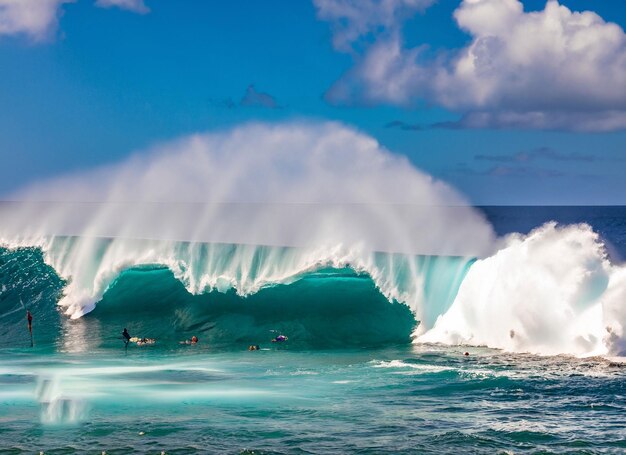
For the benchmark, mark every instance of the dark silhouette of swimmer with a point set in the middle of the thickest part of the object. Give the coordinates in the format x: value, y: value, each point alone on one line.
x: 29, y: 317
x: 126, y: 336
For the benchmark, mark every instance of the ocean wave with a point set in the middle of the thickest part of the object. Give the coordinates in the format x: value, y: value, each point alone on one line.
x: 553, y: 291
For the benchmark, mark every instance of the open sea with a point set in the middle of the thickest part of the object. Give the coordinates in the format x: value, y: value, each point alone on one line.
x: 360, y: 371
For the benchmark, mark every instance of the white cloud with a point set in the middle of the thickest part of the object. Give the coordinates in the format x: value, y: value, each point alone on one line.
x: 354, y: 19
x: 137, y: 6
x: 539, y: 59
x: 37, y: 19
x: 548, y: 69
x: 387, y: 73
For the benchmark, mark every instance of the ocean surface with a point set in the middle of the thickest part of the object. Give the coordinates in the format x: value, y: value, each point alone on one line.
x: 374, y: 361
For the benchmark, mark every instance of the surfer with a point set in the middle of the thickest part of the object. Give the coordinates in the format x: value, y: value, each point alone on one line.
x: 144, y: 341
x: 279, y: 339
x: 126, y: 336
x: 29, y: 317
x: 194, y: 340
x: 253, y: 347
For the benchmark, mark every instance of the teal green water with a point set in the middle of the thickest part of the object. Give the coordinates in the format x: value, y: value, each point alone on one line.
x: 400, y: 399
x: 348, y: 380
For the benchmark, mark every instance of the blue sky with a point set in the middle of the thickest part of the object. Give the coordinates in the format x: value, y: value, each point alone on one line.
x: 88, y: 84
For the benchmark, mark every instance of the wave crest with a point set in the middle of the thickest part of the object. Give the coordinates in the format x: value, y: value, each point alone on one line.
x: 553, y: 291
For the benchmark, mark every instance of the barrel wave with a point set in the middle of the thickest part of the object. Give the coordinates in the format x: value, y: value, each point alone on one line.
x: 227, y: 295
x: 309, y: 228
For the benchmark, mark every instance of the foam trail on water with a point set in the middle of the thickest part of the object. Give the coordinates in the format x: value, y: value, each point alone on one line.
x: 330, y: 193
x: 551, y: 292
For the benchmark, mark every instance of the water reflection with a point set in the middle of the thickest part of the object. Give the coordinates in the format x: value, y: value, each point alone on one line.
x: 79, y: 335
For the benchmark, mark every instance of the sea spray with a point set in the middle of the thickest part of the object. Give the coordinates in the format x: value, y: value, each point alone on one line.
x: 314, y: 185
x: 259, y: 206
x: 550, y: 292
x: 332, y: 194
x: 553, y: 291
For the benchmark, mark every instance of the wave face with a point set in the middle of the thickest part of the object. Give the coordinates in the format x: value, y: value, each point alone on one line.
x: 251, y: 208
x: 553, y: 291
x: 425, y: 284
x: 326, y: 308
x: 26, y: 281
x: 225, y: 293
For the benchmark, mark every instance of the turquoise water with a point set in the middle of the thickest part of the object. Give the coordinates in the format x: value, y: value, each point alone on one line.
x: 348, y: 380
x: 400, y: 399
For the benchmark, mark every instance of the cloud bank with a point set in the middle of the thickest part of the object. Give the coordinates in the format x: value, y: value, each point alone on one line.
x: 354, y: 19
x: 36, y: 19
x: 39, y: 19
x: 549, y: 69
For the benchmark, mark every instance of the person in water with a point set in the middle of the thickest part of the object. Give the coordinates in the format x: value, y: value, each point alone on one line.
x: 194, y: 340
x: 279, y: 339
x: 144, y: 341
x: 126, y: 336
x: 29, y: 317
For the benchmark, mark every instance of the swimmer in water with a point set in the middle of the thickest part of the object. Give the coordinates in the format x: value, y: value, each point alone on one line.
x: 29, y: 317
x: 194, y: 340
x: 144, y: 341
x: 126, y: 336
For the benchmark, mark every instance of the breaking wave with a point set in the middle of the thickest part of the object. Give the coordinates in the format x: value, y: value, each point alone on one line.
x: 230, y: 293
x: 309, y: 228
x: 553, y: 291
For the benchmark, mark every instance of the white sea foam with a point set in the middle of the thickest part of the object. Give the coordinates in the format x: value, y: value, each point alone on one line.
x: 335, y: 197
x: 551, y: 292
x: 417, y: 368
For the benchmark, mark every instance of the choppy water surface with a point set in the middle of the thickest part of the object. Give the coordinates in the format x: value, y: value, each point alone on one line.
x: 404, y: 399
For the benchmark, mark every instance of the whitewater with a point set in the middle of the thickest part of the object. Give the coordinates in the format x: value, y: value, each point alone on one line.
x: 381, y: 277
x: 262, y: 206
